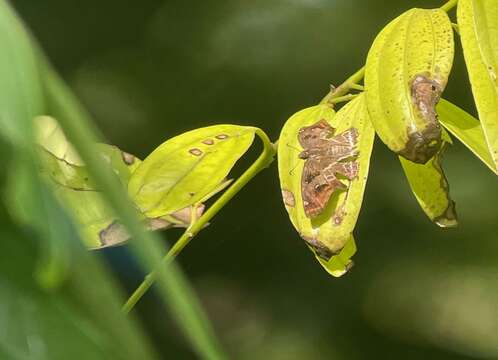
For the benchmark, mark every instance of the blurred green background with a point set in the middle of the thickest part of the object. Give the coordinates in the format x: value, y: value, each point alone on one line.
x: 148, y: 70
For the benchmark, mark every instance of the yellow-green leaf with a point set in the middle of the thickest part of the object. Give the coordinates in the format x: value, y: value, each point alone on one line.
x: 98, y: 225
x: 406, y: 71
x: 186, y: 168
x: 329, y: 232
x: 467, y: 129
x: 430, y: 187
x: 478, y: 25
x: 50, y: 136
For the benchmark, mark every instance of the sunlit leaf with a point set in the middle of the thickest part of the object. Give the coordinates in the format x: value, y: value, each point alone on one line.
x: 478, y: 24
x: 430, y: 187
x: 406, y: 71
x: 467, y: 129
x: 328, y: 233
x: 186, y: 168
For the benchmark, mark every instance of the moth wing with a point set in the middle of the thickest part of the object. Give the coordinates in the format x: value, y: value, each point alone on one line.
x: 315, y: 135
x: 316, y: 188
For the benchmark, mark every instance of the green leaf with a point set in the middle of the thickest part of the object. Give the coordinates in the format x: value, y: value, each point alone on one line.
x: 21, y: 96
x: 478, y: 24
x: 333, y: 228
x: 430, y: 187
x: 467, y: 129
x: 406, y: 71
x: 185, y: 169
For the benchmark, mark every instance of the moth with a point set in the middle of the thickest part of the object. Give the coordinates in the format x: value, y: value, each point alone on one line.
x: 328, y: 157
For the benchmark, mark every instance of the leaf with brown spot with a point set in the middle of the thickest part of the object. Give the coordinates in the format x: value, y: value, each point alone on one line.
x: 406, y: 71
x: 329, y: 232
x: 430, y: 187
x: 185, y: 169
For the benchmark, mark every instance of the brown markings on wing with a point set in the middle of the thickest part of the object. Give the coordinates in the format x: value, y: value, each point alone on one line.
x: 326, y: 158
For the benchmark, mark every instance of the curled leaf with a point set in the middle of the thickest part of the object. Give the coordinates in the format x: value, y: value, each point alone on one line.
x: 430, y: 187
x: 478, y: 24
x: 467, y: 129
x: 99, y: 226
x: 406, y: 71
x: 185, y: 169
x: 327, y: 232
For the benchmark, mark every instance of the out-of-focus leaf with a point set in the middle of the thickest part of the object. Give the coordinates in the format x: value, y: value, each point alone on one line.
x: 330, y: 231
x: 478, y: 25
x: 406, y: 71
x: 430, y: 187
x: 186, y: 168
x: 467, y: 129
x: 21, y: 96
x: 98, y: 224
x: 62, y: 163
x: 50, y: 136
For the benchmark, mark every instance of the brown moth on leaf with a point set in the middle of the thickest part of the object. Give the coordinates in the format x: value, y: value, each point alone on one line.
x: 328, y: 157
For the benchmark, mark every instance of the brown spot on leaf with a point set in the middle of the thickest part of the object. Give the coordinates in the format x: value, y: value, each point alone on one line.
x: 195, y: 151
x: 424, y: 144
x: 208, y: 141
x: 288, y: 197
x: 113, y: 234
x: 338, y: 216
x: 128, y: 159
x: 157, y: 224
x: 185, y: 215
x: 319, y: 248
x: 221, y: 136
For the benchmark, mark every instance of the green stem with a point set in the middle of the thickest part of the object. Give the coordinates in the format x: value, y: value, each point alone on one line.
x: 263, y: 161
x: 344, y: 98
x: 449, y: 5
x: 345, y: 87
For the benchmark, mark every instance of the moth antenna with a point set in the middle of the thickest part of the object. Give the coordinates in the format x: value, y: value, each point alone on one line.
x: 293, y: 147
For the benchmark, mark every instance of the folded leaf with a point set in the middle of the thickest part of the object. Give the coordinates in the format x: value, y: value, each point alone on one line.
x: 430, y: 187
x: 98, y: 225
x: 406, y: 71
x: 186, y: 168
x: 328, y: 232
x: 467, y: 129
x: 478, y: 24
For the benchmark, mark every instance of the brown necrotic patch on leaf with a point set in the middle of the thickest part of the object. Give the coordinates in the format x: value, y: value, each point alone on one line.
x: 195, y: 152
x: 221, y: 136
x: 319, y: 248
x: 128, y: 159
x: 288, y: 197
x: 208, y: 142
x: 424, y: 144
x: 113, y: 234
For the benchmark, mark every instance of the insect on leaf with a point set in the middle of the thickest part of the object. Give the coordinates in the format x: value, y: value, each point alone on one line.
x: 430, y: 187
x: 467, y: 129
x: 327, y: 232
x: 406, y: 71
x: 186, y: 168
x: 478, y: 24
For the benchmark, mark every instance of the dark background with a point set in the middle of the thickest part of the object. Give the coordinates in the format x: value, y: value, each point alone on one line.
x: 148, y: 70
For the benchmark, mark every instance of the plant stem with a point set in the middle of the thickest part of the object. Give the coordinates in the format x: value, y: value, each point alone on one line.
x: 345, y: 87
x: 340, y: 99
x: 449, y: 5
x: 263, y: 161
